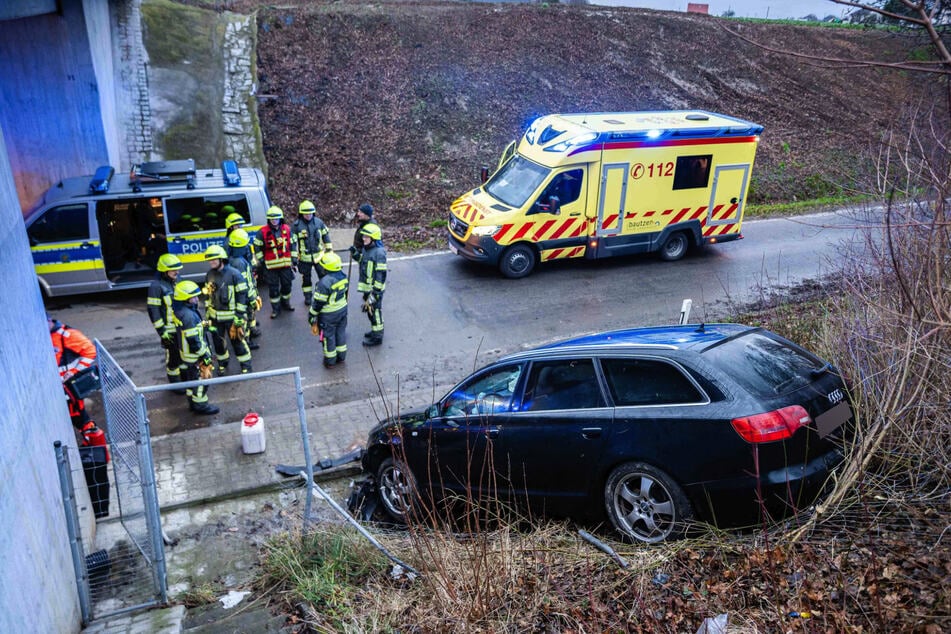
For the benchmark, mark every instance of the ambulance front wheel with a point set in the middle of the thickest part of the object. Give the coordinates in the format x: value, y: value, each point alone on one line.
x: 674, y: 247
x: 517, y: 261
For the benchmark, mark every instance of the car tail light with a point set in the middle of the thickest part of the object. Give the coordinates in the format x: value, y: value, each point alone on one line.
x: 776, y: 425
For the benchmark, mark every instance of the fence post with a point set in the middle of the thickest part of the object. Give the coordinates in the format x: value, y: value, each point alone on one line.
x: 305, y: 437
x: 72, y: 530
x: 153, y: 518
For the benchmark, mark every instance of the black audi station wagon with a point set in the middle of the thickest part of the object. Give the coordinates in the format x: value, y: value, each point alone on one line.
x: 654, y: 427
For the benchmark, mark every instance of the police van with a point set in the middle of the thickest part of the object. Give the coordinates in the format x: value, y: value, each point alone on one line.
x: 106, y: 231
x: 604, y: 184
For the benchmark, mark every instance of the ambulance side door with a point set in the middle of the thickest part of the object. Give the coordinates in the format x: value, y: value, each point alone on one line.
x: 616, y: 235
x: 67, y: 255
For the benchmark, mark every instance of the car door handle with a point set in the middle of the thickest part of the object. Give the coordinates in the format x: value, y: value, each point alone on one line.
x: 591, y: 432
x: 86, y: 244
x: 492, y: 433
x: 577, y: 213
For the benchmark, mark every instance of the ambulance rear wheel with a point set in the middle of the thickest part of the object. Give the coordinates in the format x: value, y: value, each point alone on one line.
x: 517, y: 261
x: 674, y: 247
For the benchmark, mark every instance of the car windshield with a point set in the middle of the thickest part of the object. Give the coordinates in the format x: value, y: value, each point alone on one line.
x: 516, y: 181
x: 764, y: 364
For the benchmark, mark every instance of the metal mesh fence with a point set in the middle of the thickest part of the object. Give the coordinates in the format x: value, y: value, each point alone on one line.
x: 123, y: 566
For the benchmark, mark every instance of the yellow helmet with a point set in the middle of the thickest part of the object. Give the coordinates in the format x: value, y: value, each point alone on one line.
x: 274, y: 212
x: 215, y: 252
x: 306, y: 207
x: 186, y: 290
x: 331, y: 262
x: 234, y: 220
x: 371, y: 230
x: 238, y: 238
x: 168, y: 262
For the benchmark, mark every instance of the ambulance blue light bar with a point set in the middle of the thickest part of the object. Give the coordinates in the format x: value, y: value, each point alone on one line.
x: 100, y: 180
x: 230, y: 171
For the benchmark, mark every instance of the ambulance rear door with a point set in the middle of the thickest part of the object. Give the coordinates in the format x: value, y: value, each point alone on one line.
x: 726, y: 197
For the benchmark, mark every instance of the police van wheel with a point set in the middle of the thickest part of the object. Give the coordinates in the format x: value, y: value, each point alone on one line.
x: 674, y: 247
x: 517, y: 261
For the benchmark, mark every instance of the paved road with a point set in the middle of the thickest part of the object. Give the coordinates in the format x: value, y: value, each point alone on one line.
x: 445, y: 316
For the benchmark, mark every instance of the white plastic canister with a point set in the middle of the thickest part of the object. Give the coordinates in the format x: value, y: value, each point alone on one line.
x: 252, y: 434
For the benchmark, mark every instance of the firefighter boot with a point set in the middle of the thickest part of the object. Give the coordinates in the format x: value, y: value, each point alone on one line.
x: 252, y: 344
x: 246, y: 367
x: 341, y: 357
x: 374, y: 339
x: 205, y: 409
x: 275, y: 309
x: 222, y: 368
x: 286, y: 305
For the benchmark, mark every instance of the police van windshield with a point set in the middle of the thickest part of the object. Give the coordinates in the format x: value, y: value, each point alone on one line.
x: 516, y: 181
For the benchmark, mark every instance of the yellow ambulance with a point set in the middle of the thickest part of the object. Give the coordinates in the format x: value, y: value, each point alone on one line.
x: 604, y: 184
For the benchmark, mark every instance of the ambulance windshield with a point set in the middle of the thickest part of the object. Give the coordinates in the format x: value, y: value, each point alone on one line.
x: 516, y: 181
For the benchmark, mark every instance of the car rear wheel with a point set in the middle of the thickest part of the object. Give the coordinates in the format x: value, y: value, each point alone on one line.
x: 517, y: 261
x: 645, y: 504
x: 675, y: 246
x: 397, y: 487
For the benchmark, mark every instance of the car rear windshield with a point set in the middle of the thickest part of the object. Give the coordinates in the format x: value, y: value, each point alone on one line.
x: 764, y: 364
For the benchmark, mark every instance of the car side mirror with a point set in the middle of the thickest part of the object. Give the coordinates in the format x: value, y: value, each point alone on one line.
x: 433, y: 411
x: 484, y: 173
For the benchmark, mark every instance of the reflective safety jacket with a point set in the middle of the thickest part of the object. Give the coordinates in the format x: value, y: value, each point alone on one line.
x: 227, y: 294
x: 358, y: 240
x: 330, y: 294
x: 242, y: 263
x: 74, y: 351
x: 373, y: 269
x: 313, y: 239
x: 160, y: 305
x: 277, y: 246
x: 191, y: 333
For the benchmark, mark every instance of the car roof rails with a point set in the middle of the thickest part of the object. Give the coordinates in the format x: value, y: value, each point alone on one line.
x: 100, y: 180
x: 163, y: 172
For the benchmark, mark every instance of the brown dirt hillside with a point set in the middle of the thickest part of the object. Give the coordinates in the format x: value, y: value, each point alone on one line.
x: 398, y: 103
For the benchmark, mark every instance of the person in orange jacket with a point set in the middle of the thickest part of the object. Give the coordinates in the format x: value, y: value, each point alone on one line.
x: 74, y: 353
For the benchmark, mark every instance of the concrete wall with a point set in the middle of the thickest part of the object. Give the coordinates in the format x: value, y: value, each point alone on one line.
x: 37, y: 585
x: 50, y: 99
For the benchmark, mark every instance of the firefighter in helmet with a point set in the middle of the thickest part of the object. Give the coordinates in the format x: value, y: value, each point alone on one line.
x: 313, y: 241
x: 372, y: 281
x: 240, y: 258
x: 226, y: 306
x: 328, y: 312
x: 160, y: 312
x: 196, y: 357
x: 276, y: 245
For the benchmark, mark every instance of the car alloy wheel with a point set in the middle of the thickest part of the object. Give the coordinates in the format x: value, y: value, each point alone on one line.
x: 395, y: 484
x: 645, y: 504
